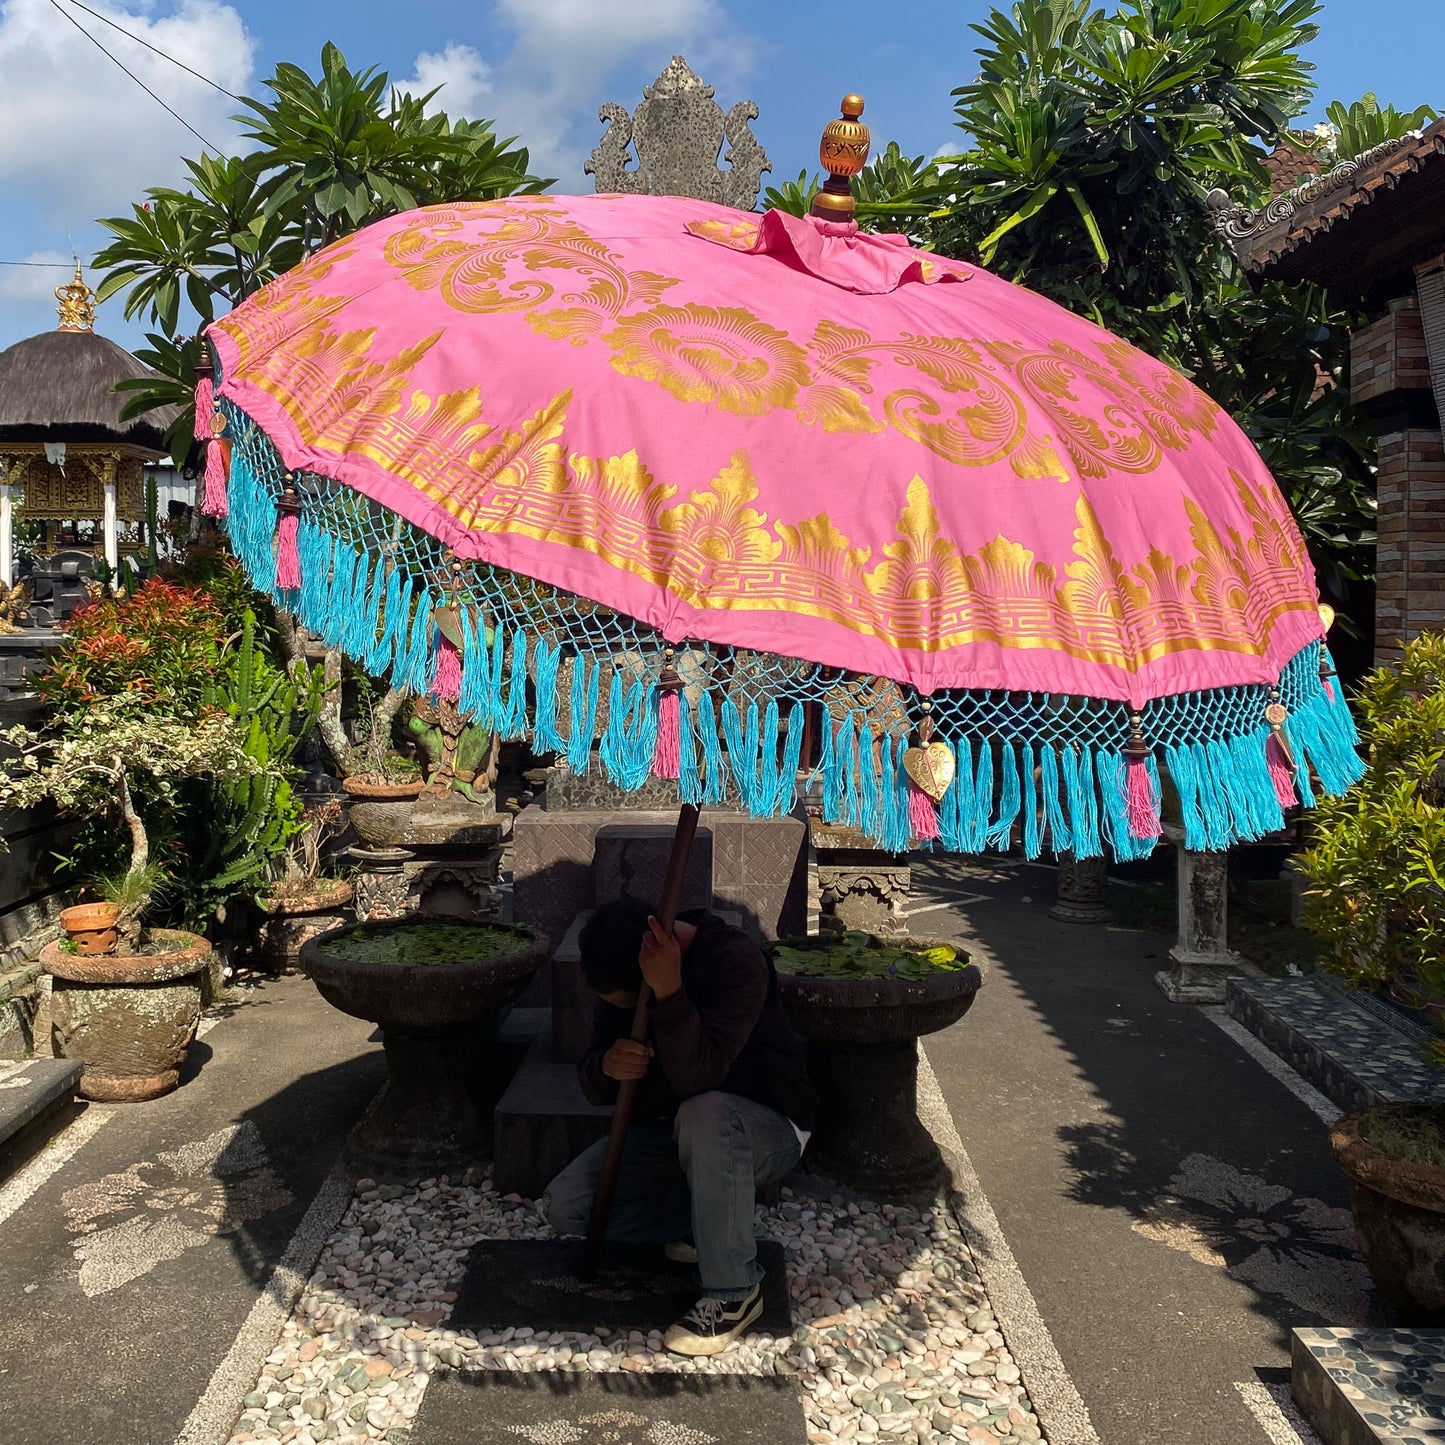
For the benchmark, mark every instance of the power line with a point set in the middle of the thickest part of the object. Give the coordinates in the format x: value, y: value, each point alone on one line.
x: 129, y: 35
x: 53, y: 265
x: 174, y: 114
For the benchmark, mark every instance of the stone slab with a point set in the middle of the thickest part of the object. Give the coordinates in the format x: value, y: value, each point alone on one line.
x: 536, y: 1282
x: 31, y: 1091
x: 547, y: 1406
x: 630, y: 861
x: 1371, y: 1387
x: 542, y: 1122
x: 1351, y: 1054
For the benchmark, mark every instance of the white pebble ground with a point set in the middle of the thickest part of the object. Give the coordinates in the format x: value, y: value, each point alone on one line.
x: 894, y: 1336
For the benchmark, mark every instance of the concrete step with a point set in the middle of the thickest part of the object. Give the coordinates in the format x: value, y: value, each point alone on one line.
x: 1370, y: 1387
x: 37, y: 1099
x: 1350, y: 1047
x: 542, y: 1122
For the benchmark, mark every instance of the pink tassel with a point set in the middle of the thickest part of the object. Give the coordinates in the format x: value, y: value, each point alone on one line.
x: 1281, y: 772
x: 1141, y: 799
x: 288, y: 559
x: 205, y: 404
x: 215, y: 503
x: 1329, y: 688
x: 922, y: 814
x: 667, y: 752
x: 447, y: 680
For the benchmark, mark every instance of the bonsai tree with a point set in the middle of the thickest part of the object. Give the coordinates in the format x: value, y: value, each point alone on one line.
x: 1377, y: 868
x: 122, y: 760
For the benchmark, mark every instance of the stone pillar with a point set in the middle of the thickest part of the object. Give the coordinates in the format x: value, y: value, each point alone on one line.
x: 1390, y: 379
x: 7, y: 534
x: 109, y: 524
x: 1201, y: 958
x: 860, y: 886
x: 1083, y: 895
x: 382, y: 887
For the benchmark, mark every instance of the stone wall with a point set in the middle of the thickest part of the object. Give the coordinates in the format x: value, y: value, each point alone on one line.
x: 1389, y: 355
x: 29, y: 903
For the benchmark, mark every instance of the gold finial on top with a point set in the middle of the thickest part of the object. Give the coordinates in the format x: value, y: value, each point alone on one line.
x: 843, y: 152
x: 77, y: 304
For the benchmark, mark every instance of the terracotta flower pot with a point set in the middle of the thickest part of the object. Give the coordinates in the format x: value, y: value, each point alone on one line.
x: 91, y: 927
x: 129, y: 1017
x: 1399, y: 1212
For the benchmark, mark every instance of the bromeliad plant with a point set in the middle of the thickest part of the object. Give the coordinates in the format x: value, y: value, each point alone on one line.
x: 124, y: 761
x: 1377, y: 869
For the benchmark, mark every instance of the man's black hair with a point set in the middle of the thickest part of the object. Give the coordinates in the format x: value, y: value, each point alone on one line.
x: 610, y: 943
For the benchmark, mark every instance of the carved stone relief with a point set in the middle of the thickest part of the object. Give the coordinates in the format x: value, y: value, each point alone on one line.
x: 678, y: 132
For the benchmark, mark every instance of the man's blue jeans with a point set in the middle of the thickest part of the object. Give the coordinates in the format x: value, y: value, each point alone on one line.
x: 697, y: 1177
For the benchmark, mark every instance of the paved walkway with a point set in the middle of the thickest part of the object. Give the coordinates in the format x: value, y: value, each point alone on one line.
x: 1170, y: 1199
x: 148, y: 1257
x: 1148, y: 1206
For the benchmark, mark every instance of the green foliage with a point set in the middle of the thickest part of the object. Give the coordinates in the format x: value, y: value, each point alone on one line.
x: 160, y: 645
x: 1377, y: 868
x: 122, y: 760
x: 1093, y: 140
x: 1364, y: 125
x: 236, y: 829
x: 332, y: 153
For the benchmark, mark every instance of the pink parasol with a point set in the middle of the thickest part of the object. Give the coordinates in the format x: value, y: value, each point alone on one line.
x: 818, y: 454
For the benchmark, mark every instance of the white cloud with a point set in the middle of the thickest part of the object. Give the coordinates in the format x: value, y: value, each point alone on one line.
x: 36, y: 280
x: 566, y: 50
x: 81, y: 139
x: 460, y: 75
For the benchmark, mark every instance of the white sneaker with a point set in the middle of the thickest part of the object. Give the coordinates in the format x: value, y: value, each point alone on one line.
x: 681, y: 1251
x: 711, y: 1325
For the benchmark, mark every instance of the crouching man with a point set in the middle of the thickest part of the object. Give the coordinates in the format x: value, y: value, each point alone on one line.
x: 724, y: 1104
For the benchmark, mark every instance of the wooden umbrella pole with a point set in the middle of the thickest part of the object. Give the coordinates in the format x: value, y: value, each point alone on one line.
x: 627, y: 1089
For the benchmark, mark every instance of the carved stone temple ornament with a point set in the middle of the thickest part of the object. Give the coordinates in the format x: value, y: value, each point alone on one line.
x: 679, y: 131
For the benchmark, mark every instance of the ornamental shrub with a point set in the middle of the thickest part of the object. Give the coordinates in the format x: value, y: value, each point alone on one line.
x: 1377, y: 867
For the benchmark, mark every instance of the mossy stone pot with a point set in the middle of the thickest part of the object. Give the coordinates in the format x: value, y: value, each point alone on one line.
x: 290, y: 921
x: 438, y: 1024
x: 1399, y: 1212
x: 380, y: 811
x: 129, y: 1018
x: 862, y: 1039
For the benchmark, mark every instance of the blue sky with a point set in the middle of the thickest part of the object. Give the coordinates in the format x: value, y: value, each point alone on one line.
x: 78, y: 139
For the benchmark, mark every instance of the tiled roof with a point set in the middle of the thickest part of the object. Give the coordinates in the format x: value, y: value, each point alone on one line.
x: 1367, y: 218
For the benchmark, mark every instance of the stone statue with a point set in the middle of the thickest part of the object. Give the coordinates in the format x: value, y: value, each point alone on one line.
x: 679, y: 131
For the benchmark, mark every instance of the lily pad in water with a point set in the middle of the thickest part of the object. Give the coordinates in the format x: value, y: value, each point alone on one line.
x: 858, y: 955
x: 425, y: 941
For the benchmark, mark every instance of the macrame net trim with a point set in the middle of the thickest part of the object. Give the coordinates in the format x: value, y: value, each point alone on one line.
x: 537, y: 662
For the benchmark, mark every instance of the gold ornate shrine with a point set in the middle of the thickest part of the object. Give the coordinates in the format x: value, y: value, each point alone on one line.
x: 76, y: 492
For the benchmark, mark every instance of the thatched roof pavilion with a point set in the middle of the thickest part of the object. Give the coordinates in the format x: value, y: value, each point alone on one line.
x: 57, y: 387
x: 65, y: 453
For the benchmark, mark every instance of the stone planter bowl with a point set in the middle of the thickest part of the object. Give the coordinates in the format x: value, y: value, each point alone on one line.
x: 438, y: 1023
x: 1399, y: 1213
x: 876, y: 1010
x: 862, y: 1041
x: 419, y: 996
x: 129, y: 1018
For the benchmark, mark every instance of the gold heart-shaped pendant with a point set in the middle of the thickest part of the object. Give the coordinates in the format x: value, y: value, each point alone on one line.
x: 931, y: 769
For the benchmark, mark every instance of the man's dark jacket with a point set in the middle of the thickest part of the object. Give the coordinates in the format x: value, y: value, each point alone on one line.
x: 723, y: 1029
